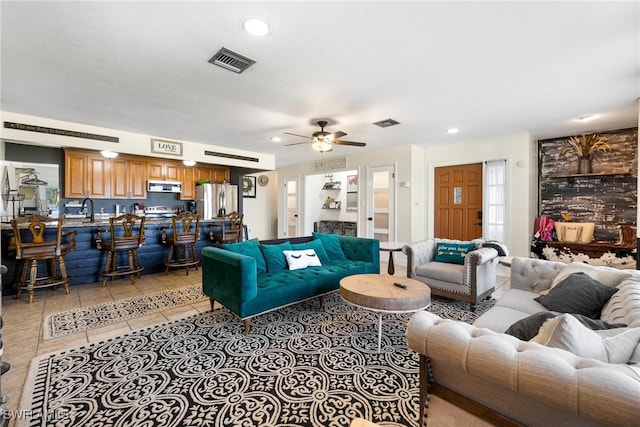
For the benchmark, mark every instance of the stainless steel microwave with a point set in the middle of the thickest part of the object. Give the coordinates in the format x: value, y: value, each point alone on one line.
x: 164, y: 187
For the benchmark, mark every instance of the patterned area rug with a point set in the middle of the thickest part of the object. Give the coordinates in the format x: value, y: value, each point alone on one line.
x: 299, y: 366
x: 97, y: 316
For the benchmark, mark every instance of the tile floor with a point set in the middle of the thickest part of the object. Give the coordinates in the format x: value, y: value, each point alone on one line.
x: 22, y: 332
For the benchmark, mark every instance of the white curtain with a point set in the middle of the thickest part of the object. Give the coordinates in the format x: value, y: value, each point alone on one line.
x: 495, y: 200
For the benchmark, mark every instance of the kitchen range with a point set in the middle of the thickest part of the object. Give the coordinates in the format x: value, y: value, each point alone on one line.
x: 160, y: 211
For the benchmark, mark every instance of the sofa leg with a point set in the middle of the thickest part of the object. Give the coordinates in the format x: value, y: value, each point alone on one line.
x: 247, y: 325
x: 472, y: 307
x: 321, y: 299
x: 425, y: 379
x: 212, y: 302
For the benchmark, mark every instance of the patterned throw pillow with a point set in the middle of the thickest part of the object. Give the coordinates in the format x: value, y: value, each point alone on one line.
x: 453, y: 253
x: 302, y: 259
x: 316, y: 245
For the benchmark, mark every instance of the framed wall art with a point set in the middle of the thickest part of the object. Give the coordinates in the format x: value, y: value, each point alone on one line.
x: 249, y: 186
x: 352, y: 183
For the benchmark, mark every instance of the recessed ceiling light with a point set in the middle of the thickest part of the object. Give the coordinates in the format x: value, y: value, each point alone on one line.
x: 256, y: 26
x: 189, y: 163
x: 452, y: 130
x: 276, y: 139
x: 585, y: 118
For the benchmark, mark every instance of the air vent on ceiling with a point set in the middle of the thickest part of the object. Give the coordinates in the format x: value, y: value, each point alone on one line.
x: 231, y: 156
x: 231, y: 60
x: 387, y: 123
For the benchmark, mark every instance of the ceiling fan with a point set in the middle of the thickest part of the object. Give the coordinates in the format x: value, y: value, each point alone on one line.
x: 323, y: 141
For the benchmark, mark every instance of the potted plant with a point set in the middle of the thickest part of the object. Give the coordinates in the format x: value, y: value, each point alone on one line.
x: 585, y: 146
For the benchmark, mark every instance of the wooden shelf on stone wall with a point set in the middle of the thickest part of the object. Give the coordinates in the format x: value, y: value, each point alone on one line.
x: 578, y: 175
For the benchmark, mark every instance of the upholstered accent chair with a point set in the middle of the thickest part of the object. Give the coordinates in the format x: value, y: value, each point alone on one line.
x: 457, y: 269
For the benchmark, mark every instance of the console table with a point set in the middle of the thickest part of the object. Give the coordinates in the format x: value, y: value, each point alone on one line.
x: 596, y: 253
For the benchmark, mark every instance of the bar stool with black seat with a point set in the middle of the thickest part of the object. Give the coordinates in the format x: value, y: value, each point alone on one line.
x: 230, y: 231
x: 41, y: 238
x: 126, y: 235
x: 185, y: 229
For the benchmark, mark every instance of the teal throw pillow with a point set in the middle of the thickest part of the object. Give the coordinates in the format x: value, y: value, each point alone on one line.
x: 274, y: 257
x: 317, y: 246
x: 331, y: 245
x: 250, y: 248
x: 453, y: 253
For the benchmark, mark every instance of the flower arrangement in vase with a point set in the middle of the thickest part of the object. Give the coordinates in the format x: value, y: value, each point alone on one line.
x: 585, y: 146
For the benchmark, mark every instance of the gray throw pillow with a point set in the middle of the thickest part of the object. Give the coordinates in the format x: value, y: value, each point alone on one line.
x: 527, y: 328
x: 579, y: 294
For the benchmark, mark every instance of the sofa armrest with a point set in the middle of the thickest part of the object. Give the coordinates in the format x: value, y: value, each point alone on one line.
x: 481, y: 256
x: 228, y: 277
x: 582, y: 387
x: 360, y: 249
x: 418, y: 253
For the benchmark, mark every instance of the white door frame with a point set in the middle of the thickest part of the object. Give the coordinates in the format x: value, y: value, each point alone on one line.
x: 391, y: 211
x: 295, y: 210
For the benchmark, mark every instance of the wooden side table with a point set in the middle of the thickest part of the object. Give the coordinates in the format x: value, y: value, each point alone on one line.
x: 377, y: 292
x: 391, y: 247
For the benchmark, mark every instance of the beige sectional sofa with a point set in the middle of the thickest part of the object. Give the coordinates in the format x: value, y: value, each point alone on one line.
x: 512, y: 381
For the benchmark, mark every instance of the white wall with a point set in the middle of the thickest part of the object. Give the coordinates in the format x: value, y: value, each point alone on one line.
x: 415, y: 165
x: 409, y: 201
x: 519, y: 150
x: 261, y: 213
x: 130, y: 143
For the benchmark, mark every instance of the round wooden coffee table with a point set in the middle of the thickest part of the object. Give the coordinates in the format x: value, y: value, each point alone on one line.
x: 377, y: 292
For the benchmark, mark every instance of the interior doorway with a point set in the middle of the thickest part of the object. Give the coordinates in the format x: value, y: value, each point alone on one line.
x: 458, y: 202
x: 381, y: 203
x: 292, y: 206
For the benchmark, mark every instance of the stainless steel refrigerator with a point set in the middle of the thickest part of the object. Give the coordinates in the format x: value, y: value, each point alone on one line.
x: 214, y: 200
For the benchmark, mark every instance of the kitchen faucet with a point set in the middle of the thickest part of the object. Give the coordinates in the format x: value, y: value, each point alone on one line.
x: 93, y: 219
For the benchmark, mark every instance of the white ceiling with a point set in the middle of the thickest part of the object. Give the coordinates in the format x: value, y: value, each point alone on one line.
x: 487, y: 68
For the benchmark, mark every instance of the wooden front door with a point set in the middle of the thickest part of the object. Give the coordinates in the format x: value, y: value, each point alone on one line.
x: 458, y: 202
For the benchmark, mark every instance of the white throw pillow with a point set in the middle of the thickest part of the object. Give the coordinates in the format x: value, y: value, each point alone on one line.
x: 302, y: 259
x: 567, y: 333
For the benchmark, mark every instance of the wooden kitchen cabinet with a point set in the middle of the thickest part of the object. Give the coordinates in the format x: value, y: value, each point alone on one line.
x: 213, y: 174
x: 163, y: 170
x: 128, y: 178
x: 87, y: 174
x: 220, y: 175
x: 188, y: 183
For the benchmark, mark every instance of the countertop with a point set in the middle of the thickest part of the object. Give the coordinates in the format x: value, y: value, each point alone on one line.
x: 104, y: 222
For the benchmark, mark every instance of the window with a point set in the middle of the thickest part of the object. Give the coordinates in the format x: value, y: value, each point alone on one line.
x: 495, y: 201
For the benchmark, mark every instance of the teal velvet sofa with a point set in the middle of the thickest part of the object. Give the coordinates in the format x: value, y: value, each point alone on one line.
x: 252, y: 277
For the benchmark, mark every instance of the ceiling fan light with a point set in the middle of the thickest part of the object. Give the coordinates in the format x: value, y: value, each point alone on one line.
x: 321, y: 146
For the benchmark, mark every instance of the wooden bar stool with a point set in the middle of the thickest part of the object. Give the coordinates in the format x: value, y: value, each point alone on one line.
x: 185, y: 229
x: 230, y: 231
x: 33, y: 244
x: 126, y: 235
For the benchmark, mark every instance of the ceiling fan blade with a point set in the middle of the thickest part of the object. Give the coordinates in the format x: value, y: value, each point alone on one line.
x: 355, y: 144
x: 339, y: 134
x: 295, y: 134
x: 296, y: 143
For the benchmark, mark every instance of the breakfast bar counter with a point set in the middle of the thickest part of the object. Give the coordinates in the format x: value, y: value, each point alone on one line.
x: 86, y: 262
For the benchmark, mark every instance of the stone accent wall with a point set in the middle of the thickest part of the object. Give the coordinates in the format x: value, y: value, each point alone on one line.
x: 607, y: 197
